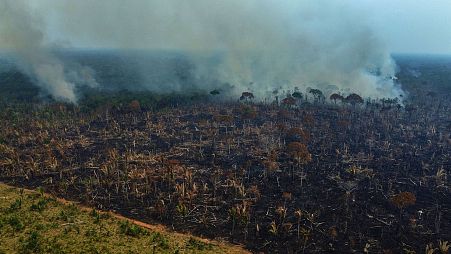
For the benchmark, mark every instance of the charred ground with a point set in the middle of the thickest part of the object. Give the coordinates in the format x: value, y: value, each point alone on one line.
x: 316, y: 176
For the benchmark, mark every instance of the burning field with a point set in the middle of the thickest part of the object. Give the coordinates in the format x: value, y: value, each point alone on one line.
x: 309, y: 174
x: 282, y: 126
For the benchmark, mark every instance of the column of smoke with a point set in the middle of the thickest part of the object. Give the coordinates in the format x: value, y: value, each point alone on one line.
x: 256, y: 45
x: 21, y: 32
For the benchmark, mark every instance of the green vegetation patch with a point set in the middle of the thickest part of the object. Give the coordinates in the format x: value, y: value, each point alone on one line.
x: 31, y: 222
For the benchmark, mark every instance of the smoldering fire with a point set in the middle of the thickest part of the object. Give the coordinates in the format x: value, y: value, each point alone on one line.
x: 254, y: 45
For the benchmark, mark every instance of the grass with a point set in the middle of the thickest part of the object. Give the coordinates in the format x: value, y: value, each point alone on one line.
x: 31, y: 222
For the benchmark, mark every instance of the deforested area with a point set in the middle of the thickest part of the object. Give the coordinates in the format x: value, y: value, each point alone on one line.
x: 281, y: 128
x: 310, y: 173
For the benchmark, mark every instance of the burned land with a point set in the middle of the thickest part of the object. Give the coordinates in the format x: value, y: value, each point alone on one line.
x: 307, y: 174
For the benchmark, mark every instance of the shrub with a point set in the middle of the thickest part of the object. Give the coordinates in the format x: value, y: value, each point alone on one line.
x: 198, y: 245
x: 16, y: 223
x: 403, y: 199
x: 130, y: 229
x: 159, y: 240
x: 96, y: 216
x: 16, y: 205
x: 32, y: 244
x: 39, y: 206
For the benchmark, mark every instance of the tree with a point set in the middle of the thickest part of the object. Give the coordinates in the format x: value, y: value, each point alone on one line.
x: 317, y: 94
x: 297, y: 95
x: 389, y: 102
x: 215, y: 92
x: 135, y: 106
x: 247, y: 96
x: 403, y: 200
x: 289, y: 101
x: 354, y: 99
x: 299, y: 153
x: 334, y: 97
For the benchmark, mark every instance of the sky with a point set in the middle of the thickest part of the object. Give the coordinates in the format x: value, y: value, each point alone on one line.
x: 405, y: 26
x: 412, y: 26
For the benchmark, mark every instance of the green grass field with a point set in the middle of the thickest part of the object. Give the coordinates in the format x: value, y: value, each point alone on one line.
x: 31, y: 222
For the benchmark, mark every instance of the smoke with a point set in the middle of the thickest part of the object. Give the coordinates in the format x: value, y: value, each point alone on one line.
x: 21, y: 32
x: 252, y: 45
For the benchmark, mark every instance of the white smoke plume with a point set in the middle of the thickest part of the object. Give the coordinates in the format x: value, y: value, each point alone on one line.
x: 256, y: 45
x: 21, y: 31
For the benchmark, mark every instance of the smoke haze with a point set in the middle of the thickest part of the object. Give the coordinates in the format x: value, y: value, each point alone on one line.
x: 252, y: 45
x: 21, y: 32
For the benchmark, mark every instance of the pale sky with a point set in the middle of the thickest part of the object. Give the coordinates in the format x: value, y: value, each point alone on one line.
x: 412, y: 26
x: 404, y: 26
